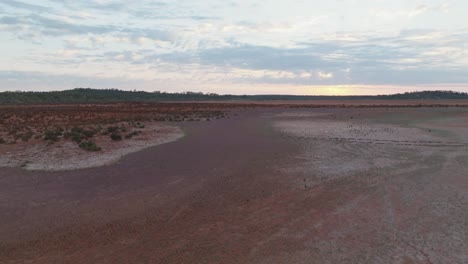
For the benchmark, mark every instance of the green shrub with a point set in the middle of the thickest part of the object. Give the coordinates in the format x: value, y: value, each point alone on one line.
x: 89, y: 146
x: 27, y: 136
x: 78, y: 134
x: 77, y: 130
x: 88, y: 133
x: 134, y: 133
x: 74, y: 135
x: 52, y: 135
x: 112, y: 129
x: 116, y: 136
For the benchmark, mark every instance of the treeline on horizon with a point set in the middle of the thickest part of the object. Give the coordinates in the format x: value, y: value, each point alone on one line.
x: 88, y: 95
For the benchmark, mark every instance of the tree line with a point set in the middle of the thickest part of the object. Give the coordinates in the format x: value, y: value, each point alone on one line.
x: 88, y: 95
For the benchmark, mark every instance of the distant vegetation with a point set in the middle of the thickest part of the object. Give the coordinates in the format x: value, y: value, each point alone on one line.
x: 87, y: 95
x: 429, y: 95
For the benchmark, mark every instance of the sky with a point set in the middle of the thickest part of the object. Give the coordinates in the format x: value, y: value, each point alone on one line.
x: 333, y: 47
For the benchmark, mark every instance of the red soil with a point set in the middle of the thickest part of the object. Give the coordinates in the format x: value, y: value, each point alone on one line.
x: 226, y: 193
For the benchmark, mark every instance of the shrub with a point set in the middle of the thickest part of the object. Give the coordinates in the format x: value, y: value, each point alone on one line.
x: 112, y: 129
x: 116, y: 136
x: 17, y: 136
x: 88, y: 133
x: 89, y: 146
x: 77, y: 130
x: 27, y: 136
x: 2, y: 141
x: 74, y: 135
x: 134, y: 133
x: 77, y: 134
x: 52, y: 135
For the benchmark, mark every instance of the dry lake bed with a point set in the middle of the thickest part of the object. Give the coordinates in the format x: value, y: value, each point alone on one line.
x: 234, y: 183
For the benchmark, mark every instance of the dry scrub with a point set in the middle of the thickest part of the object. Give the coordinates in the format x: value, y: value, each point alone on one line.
x: 68, y: 155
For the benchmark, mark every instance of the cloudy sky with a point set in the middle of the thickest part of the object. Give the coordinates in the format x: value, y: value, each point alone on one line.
x: 238, y: 47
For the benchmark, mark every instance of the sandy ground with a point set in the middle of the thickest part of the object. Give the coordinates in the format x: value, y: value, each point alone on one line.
x: 67, y: 155
x: 266, y: 186
x: 403, y: 180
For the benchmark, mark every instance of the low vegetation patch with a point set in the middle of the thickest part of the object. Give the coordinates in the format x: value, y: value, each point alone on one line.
x: 116, y: 136
x: 53, y: 135
x: 27, y: 136
x: 112, y: 129
x: 134, y: 133
x: 89, y: 145
x: 79, y: 123
x: 75, y: 134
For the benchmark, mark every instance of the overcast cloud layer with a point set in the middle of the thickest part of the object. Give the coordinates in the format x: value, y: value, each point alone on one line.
x: 298, y: 47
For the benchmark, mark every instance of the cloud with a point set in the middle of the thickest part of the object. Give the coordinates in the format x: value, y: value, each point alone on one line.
x: 24, y: 6
x: 212, y: 43
x: 325, y: 75
x: 419, y: 10
x: 51, y: 27
x: 92, y: 4
x: 372, y: 59
x: 37, y: 24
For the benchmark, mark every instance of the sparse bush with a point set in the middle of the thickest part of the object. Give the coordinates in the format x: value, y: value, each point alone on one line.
x: 75, y: 134
x: 134, y: 133
x: 77, y: 130
x: 112, y: 129
x: 89, y: 146
x: 27, y: 136
x: 52, y: 135
x: 139, y: 125
x: 116, y: 136
x: 88, y: 133
x: 17, y: 136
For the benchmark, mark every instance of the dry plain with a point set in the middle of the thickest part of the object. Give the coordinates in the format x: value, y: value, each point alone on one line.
x: 253, y: 182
